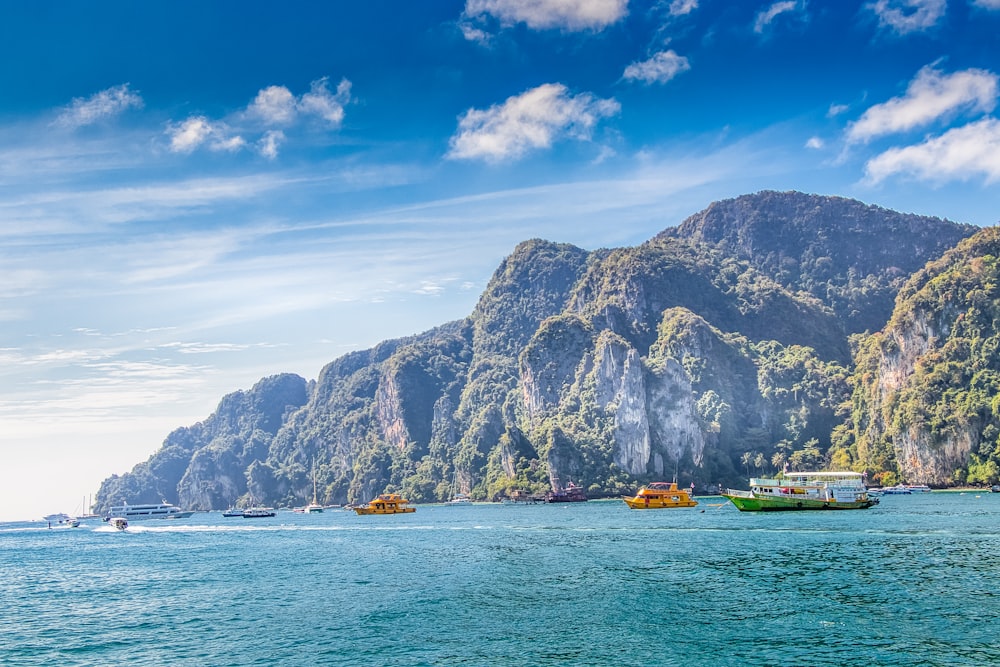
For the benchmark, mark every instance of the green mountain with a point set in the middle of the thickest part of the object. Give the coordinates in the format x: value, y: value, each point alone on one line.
x: 717, y: 349
x: 926, y: 403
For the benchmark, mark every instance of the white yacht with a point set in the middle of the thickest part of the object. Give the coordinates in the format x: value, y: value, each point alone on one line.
x: 162, y: 510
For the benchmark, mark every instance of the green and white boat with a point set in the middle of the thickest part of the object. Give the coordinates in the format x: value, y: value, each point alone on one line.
x: 804, y: 491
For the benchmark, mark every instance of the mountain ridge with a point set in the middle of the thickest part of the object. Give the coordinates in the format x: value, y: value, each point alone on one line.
x: 688, y: 356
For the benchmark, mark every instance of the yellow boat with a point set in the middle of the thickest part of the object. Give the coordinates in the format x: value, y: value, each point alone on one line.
x: 386, y: 503
x: 660, y: 495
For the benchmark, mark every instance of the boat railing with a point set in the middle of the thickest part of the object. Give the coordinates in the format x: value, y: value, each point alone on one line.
x: 739, y: 493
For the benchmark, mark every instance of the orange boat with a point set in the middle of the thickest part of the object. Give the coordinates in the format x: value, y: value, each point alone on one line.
x: 660, y: 495
x: 386, y: 503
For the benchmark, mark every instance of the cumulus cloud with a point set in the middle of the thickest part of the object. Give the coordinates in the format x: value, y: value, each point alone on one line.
x: 574, y: 15
x: 682, y: 7
x: 962, y: 153
x: 273, y: 109
x: 906, y: 16
x: 930, y: 96
x: 319, y: 101
x: 531, y: 120
x: 815, y: 143
x: 661, y: 68
x: 277, y: 106
x: 198, y: 131
x: 99, y: 106
x: 766, y: 17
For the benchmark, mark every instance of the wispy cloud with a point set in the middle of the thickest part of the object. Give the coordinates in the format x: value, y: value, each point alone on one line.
x: 532, y: 120
x: 572, y: 15
x: 931, y: 95
x: 987, y: 4
x: 661, y: 68
x: 766, y: 17
x: 682, y: 7
x: 961, y: 153
x: 906, y: 16
x: 99, y: 106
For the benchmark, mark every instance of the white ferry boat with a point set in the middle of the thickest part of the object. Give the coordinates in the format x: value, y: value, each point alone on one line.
x: 162, y: 510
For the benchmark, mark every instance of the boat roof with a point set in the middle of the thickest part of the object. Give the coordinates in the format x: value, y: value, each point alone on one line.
x: 843, y: 473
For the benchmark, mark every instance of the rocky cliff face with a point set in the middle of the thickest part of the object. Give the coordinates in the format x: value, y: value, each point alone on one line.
x: 933, y: 375
x: 716, y: 346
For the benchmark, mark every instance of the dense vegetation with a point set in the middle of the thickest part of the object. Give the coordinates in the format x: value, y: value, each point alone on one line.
x: 732, y: 345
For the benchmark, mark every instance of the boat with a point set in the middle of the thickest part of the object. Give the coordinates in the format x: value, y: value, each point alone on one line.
x: 258, y: 513
x: 898, y: 490
x: 162, y: 510
x: 460, y: 499
x: 314, y: 507
x: 660, y: 495
x: 232, y: 511
x: 918, y: 488
x: 995, y: 488
x: 61, y: 519
x: 118, y: 522
x: 386, y: 503
x: 570, y: 494
x: 804, y: 491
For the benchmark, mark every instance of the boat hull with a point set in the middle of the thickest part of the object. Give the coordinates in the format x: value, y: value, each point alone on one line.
x: 372, y: 510
x: 775, y: 504
x: 637, y: 503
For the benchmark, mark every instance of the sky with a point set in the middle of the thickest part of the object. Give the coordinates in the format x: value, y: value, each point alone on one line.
x: 196, y: 195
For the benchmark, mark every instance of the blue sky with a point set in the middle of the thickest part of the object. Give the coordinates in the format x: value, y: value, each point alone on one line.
x: 195, y: 195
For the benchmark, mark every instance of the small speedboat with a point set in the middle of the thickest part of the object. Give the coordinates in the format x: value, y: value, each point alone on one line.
x: 118, y: 522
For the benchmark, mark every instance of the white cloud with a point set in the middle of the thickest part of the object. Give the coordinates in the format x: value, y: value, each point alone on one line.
x: 275, y: 105
x: 534, y: 119
x: 190, y: 134
x: 930, y: 96
x: 836, y: 109
x: 268, y: 145
x: 661, y: 68
x: 544, y: 14
x: 960, y: 153
x: 197, y: 131
x: 319, y: 101
x: 682, y: 7
x: 765, y: 17
x: 99, y: 106
x: 815, y: 143
x: 906, y: 16
x: 987, y: 4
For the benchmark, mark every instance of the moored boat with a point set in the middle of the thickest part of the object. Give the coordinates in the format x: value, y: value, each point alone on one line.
x: 386, y: 503
x: 570, y: 494
x: 804, y: 491
x: 162, y: 510
x: 257, y: 513
x: 660, y: 495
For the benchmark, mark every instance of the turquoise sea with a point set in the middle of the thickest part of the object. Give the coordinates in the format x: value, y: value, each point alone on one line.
x: 910, y: 582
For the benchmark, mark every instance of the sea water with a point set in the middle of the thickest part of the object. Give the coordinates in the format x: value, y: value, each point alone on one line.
x: 912, y: 581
